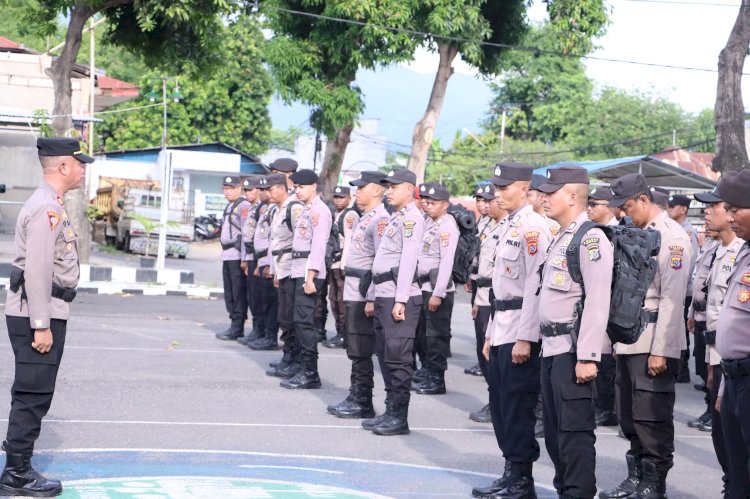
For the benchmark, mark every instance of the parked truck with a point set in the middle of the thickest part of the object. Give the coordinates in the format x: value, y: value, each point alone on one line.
x: 131, y: 207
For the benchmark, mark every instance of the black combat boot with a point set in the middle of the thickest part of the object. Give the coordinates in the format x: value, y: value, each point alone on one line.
x: 322, y: 334
x: 20, y: 479
x: 494, y: 487
x: 335, y: 342
x: 700, y: 420
x: 521, y: 483
x: 433, y: 385
x: 606, y: 418
x: 284, y: 370
x: 653, y: 485
x: 395, y: 423
x: 236, y: 330
x: 269, y: 341
x: 369, y: 424
x: 628, y: 486
x: 254, y: 335
x: 305, y: 379
x: 474, y: 370
x: 482, y: 415
x: 357, y: 405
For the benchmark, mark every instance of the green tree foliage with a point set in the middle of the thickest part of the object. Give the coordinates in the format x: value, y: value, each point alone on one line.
x: 228, y: 104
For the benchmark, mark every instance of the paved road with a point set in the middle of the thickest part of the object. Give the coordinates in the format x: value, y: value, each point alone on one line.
x: 147, y: 394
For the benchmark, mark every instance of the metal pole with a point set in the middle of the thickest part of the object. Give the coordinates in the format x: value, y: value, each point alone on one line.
x: 502, y: 132
x: 92, y: 86
x: 165, y: 185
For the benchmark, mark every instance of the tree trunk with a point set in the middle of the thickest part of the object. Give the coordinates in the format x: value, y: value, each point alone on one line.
x: 423, y: 132
x: 334, y: 158
x: 729, y: 112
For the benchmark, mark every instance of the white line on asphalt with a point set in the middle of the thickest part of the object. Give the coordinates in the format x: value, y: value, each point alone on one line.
x: 290, y: 468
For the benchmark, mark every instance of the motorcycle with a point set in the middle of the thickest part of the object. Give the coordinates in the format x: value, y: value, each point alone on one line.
x: 207, y: 227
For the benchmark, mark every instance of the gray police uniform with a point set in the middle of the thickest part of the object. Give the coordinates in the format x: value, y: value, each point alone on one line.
x: 344, y: 221
x: 269, y: 301
x: 253, y: 293
x: 233, y: 252
x: 44, y: 275
x: 697, y: 310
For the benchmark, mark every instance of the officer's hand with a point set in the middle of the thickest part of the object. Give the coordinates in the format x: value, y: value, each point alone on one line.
x: 691, y: 325
x: 585, y: 371
x: 486, y: 349
x: 370, y: 309
x: 256, y: 272
x: 398, y: 313
x: 467, y: 287
x: 243, y: 266
x: 275, y: 283
x: 656, y: 365
x: 267, y: 272
x: 434, y: 303
x: 717, y: 405
x: 474, y: 311
x: 42, y: 340
x: 521, y: 352
x: 309, y: 287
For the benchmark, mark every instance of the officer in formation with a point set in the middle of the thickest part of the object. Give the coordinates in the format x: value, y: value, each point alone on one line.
x: 252, y: 196
x: 42, y: 284
x: 434, y: 268
x: 268, y: 311
x: 233, y: 256
x: 345, y: 219
x: 359, y: 296
x: 287, y: 167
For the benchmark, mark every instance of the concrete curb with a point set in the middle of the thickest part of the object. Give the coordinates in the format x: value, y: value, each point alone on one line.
x: 140, y: 288
x: 94, y: 273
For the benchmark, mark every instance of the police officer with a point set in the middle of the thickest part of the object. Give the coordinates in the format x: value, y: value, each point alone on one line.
x: 512, y: 339
x: 359, y: 296
x: 287, y: 166
x: 677, y: 208
x: 252, y: 195
x: 434, y: 268
x: 344, y: 220
x: 309, y: 273
x: 287, y: 213
x: 43, y: 280
x: 571, y: 348
x: 599, y: 211
x: 646, y: 370
x: 232, y: 255
x: 397, y: 301
x: 481, y: 310
x: 733, y: 338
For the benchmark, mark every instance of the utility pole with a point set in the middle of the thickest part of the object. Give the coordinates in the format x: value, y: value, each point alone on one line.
x: 166, y: 183
x: 502, y: 130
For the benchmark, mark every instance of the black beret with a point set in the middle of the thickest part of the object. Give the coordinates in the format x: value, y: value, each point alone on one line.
x: 600, y: 194
x: 232, y: 181
x: 304, y: 177
x: 399, y: 177
x: 284, y: 165
x: 341, y: 192
x: 679, y: 200
x: 486, y: 191
x: 507, y: 173
x: 369, y: 177
x: 272, y: 179
x: 434, y: 191
x: 60, y: 146
x: 560, y: 176
x: 626, y: 186
x: 733, y: 188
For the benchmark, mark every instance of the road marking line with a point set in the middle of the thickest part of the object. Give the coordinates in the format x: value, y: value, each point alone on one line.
x: 318, y: 470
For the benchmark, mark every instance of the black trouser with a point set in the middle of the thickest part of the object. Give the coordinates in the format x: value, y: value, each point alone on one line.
x: 605, y: 383
x: 336, y: 299
x: 686, y: 309
x: 360, y: 344
x: 699, y: 350
x: 645, y: 406
x: 434, y: 333
x: 254, y: 299
x: 569, y: 425
x: 34, y: 383
x: 304, y: 323
x: 717, y: 433
x: 321, y: 304
x: 269, y: 304
x: 394, y: 342
x: 473, y: 291
x: 480, y: 330
x: 235, y: 291
x: 514, y: 389
x: 735, y: 422
x: 286, y: 318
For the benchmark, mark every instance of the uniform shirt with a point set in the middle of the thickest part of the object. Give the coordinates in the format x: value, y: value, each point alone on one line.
x: 521, y: 250
x: 559, y: 292
x: 363, y: 245
x: 723, y: 277
x: 47, y: 252
x: 700, y: 276
x: 347, y: 227
x: 487, y: 253
x: 311, y: 235
x: 483, y: 222
x: 696, y: 249
x: 666, y: 295
x: 248, y: 229
x: 438, y: 249
x: 280, y: 237
x: 261, y: 240
x: 398, y: 249
x: 235, y: 216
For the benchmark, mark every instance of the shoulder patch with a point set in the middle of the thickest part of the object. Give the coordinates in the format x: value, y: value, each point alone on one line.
x: 592, y: 247
x: 382, y: 224
x: 53, y: 218
x: 445, y: 238
x: 675, y: 256
x: 409, y: 228
x: 532, y: 242
x: 243, y: 212
x: 349, y: 221
x: 315, y: 218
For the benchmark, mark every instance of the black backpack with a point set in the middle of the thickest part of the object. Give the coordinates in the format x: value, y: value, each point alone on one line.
x: 333, y: 246
x: 468, y: 243
x: 634, y: 270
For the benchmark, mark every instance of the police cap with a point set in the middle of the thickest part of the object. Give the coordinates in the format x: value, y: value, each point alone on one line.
x: 486, y: 191
x: 369, y: 177
x: 679, y: 200
x: 560, y: 176
x: 600, y: 194
x: 626, y: 186
x: 60, y: 146
x: 285, y: 165
x: 434, y: 191
x: 536, y: 181
x: 272, y: 179
x: 304, y: 177
x: 250, y: 183
x: 341, y: 192
x: 399, y: 177
x: 231, y: 181
x: 733, y: 188
x: 708, y: 197
x: 660, y: 198
x: 507, y: 173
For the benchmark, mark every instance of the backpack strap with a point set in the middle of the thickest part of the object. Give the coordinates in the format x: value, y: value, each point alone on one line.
x: 573, y: 253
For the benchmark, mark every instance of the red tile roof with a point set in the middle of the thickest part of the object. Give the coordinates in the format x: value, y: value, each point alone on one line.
x: 696, y: 162
x: 109, y: 83
x: 8, y: 44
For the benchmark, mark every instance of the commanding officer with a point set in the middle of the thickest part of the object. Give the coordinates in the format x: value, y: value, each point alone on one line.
x: 571, y: 348
x: 42, y: 284
x: 252, y: 195
x: 677, y: 208
x: 344, y: 221
x: 481, y: 310
x: 287, y: 166
x: 309, y: 273
x: 512, y: 342
x: 232, y: 256
x: 646, y: 370
x: 434, y: 267
x: 599, y: 211
x: 397, y: 301
x: 359, y: 296
x: 733, y: 338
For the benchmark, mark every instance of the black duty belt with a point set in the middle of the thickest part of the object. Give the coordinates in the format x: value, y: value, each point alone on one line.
x: 735, y: 369
x: 226, y: 246
x: 556, y: 329
x: 699, y: 306
x: 710, y: 337
x: 261, y: 254
x: 281, y: 251
x: 352, y: 272
x: 423, y: 279
x: 300, y: 254
x: 653, y: 317
x: 65, y: 294
x: 388, y: 276
x: 512, y: 304
x: 484, y: 282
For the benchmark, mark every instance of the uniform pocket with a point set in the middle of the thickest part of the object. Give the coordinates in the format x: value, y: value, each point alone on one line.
x: 577, y: 407
x: 398, y: 350
x: 740, y: 296
x: 509, y: 262
x: 559, y: 278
